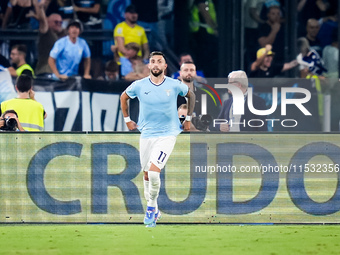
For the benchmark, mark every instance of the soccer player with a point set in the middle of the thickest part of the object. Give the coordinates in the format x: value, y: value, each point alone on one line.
x: 159, y: 125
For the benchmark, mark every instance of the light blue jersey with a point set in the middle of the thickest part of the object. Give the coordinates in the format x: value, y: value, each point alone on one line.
x: 125, y: 66
x: 68, y: 55
x: 157, y: 106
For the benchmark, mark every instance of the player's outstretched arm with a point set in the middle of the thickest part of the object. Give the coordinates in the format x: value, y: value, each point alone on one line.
x: 124, y: 98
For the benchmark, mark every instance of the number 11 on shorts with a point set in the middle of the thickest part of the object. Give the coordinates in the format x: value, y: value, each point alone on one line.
x: 162, y: 156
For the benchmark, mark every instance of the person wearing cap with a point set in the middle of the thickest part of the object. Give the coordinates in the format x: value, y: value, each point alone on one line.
x: 68, y: 52
x: 128, y: 31
x: 272, y: 32
x: 237, y: 123
x: 263, y: 66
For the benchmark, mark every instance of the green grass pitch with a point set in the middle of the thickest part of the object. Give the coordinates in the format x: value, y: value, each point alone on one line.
x: 169, y: 239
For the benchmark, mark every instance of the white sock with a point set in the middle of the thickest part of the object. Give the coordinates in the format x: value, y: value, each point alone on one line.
x: 154, y: 187
x: 146, y: 189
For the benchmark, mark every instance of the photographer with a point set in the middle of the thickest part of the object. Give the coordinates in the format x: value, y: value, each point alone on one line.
x: 9, y: 121
x: 182, y: 113
x: 31, y: 112
x: 200, y: 123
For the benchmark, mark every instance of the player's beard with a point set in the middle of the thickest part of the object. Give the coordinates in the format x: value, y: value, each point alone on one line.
x: 188, y: 79
x: 156, y: 72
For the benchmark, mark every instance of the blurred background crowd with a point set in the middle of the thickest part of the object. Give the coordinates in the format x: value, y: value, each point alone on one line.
x: 265, y: 38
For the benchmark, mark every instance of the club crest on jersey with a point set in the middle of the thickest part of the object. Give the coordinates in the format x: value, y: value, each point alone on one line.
x: 168, y: 92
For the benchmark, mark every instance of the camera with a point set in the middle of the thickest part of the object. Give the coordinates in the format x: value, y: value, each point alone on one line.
x: 202, y: 122
x: 10, y: 125
x: 182, y: 119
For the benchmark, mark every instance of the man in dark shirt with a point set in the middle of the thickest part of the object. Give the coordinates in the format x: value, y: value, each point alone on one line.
x: 312, y: 29
x: 272, y: 32
x: 263, y: 66
x: 50, y: 30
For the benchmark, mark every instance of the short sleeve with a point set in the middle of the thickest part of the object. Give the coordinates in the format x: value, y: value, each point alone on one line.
x: 183, y: 89
x: 86, y: 52
x: 57, y: 48
x: 118, y: 31
x: 131, y: 91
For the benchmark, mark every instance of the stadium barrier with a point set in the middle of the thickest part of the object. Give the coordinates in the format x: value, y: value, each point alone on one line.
x: 210, y: 178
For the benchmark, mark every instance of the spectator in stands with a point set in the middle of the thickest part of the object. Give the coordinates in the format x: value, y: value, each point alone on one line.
x: 252, y: 20
x: 131, y: 51
x: 330, y: 55
x: 50, y: 30
x: 111, y: 71
x: 140, y: 70
x: 263, y: 66
x: 68, y: 52
x: 308, y: 9
x: 19, y: 65
x: 310, y: 61
x: 148, y: 18
x: 329, y: 24
x: 188, y: 75
x: 204, y: 31
x: 266, y: 4
x: 128, y: 31
x: 255, y: 14
x: 31, y: 113
x: 312, y: 29
x: 184, y: 58
x: 114, y: 15
x: 15, y: 16
x: 88, y: 12
x: 272, y: 32
x: 311, y: 67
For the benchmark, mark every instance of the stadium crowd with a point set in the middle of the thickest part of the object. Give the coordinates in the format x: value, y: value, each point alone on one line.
x: 139, y: 27
x: 150, y: 25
